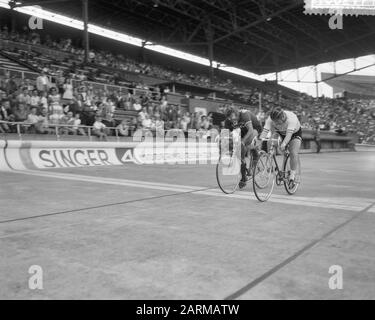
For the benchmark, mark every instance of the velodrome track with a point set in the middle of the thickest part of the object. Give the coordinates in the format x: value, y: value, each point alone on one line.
x: 167, y: 232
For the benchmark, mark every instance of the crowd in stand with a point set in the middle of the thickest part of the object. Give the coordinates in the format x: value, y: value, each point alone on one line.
x: 43, y: 105
x: 70, y: 100
x: 340, y: 115
x: 120, y: 62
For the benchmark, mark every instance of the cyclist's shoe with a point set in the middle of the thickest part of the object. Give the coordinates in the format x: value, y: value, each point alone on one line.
x: 291, y: 183
x: 249, y: 175
x: 243, y: 174
x: 242, y: 184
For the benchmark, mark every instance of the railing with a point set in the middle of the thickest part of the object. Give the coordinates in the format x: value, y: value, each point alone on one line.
x: 56, y: 129
x: 112, y: 87
x: 8, y: 44
x: 19, y: 74
x: 96, y: 85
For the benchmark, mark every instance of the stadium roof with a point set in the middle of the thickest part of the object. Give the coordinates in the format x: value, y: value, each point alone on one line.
x: 260, y: 36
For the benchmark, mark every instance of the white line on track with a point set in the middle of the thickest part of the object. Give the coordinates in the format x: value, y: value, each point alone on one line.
x: 348, y: 204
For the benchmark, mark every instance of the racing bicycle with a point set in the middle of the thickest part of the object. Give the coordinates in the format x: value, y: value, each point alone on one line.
x: 269, y: 172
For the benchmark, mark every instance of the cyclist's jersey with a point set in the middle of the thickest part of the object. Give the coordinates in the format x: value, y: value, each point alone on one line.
x: 291, y: 124
x: 244, y: 118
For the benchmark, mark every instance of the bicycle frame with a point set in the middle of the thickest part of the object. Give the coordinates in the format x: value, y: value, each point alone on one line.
x: 280, y: 177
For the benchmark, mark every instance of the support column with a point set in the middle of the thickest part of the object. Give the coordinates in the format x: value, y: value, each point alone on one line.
x: 316, y: 81
x: 210, y: 42
x: 211, y: 58
x: 85, y: 29
x: 13, y: 22
x: 142, y: 55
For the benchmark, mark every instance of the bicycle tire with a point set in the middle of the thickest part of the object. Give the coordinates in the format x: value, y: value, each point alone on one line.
x: 264, y: 168
x: 224, y: 187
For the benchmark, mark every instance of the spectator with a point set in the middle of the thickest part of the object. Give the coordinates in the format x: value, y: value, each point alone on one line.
x: 42, y: 82
x: 43, y: 124
x: 77, y: 123
x: 68, y: 120
x: 9, y: 85
x: 143, y: 114
x: 20, y: 113
x: 44, y: 100
x: 159, y: 123
x: 4, y: 128
x: 123, y: 128
x: 316, y: 136
x: 54, y: 96
x: 99, y: 128
x: 56, y: 116
x: 68, y: 89
x: 24, y: 97
x: 35, y: 99
x: 146, y: 122
x: 137, y: 106
x: 5, y: 110
x: 32, y: 117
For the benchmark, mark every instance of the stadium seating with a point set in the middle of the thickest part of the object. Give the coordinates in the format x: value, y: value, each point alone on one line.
x: 109, y: 87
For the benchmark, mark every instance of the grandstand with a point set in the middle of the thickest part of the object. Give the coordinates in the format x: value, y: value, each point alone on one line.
x: 74, y: 100
x: 352, y: 86
x: 25, y: 55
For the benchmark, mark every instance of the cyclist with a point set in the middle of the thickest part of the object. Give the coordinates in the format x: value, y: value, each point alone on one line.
x: 250, y: 128
x: 287, y: 125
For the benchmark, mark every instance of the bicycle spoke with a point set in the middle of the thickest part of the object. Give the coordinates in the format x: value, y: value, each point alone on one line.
x: 264, y: 178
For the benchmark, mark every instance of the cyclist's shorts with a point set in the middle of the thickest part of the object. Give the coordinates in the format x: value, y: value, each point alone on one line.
x: 296, y: 135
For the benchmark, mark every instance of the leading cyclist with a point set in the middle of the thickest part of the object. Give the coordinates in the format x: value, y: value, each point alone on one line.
x: 287, y: 125
x: 250, y: 128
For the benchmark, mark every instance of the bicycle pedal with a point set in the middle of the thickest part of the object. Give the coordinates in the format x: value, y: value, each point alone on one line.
x: 242, y: 184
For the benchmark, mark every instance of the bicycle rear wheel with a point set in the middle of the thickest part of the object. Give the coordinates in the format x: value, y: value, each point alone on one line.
x: 297, y: 180
x: 263, y: 177
x: 228, y: 173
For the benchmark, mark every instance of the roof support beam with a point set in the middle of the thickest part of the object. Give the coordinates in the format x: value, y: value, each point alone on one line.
x: 263, y: 19
x: 13, y: 4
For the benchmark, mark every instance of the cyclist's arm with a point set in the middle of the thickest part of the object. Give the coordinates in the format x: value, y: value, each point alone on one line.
x: 250, y: 131
x: 267, y: 128
x: 287, y: 138
x: 293, y: 125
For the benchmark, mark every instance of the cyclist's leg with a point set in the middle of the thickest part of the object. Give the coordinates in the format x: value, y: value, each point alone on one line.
x: 294, y: 148
x: 243, y: 162
x: 253, y: 149
x: 247, y: 148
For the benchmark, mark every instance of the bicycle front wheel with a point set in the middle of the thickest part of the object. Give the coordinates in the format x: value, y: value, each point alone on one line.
x: 228, y: 173
x: 263, y: 177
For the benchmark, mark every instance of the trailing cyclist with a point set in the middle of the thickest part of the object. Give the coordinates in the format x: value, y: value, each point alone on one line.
x: 250, y: 129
